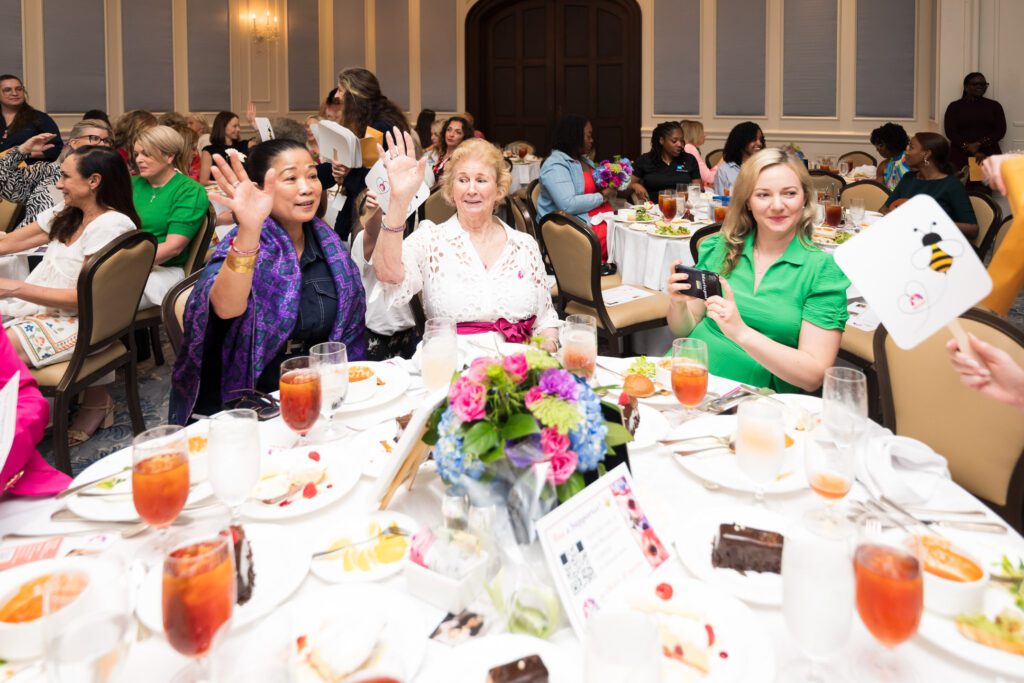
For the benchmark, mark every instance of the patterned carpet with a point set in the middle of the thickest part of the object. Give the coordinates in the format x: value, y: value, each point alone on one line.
x: 154, y: 391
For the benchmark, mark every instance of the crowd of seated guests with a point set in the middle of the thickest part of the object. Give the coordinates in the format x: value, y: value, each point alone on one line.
x: 665, y: 165
x: 20, y: 121
x: 127, y: 129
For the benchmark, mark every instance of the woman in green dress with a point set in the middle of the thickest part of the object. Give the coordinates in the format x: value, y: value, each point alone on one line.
x: 782, y: 311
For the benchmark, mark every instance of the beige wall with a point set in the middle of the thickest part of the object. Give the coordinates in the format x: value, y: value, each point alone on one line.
x: 970, y: 35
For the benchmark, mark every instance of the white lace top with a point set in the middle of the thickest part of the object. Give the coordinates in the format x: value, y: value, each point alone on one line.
x: 441, y: 262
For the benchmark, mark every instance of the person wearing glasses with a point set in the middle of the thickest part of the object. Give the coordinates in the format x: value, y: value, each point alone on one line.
x: 35, y: 186
x: 974, y: 124
x: 20, y: 121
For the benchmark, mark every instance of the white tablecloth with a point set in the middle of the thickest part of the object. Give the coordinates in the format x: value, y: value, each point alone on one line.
x: 523, y: 174
x: 668, y: 493
x: 644, y: 259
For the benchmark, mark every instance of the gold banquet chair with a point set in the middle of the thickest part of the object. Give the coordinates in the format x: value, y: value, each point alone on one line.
x: 575, y: 255
x: 713, y: 157
x: 172, y: 310
x: 436, y: 208
x: 533, y: 195
x: 109, y: 289
x: 989, y: 217
x: 824, y: 181
x: 10, y: 215
x: 857, y: 158
x: 872, y: 192
x: 923, y: 398
x: 198, y: 249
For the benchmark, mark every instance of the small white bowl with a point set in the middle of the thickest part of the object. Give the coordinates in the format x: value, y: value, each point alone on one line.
x: 361, y: 390
x: 443, y: 591
x: 948, y: 597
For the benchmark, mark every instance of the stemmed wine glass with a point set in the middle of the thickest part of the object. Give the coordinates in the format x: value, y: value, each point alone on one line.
x: 760, y: 442
x: 830, y: 472
x: 817, y: 598
x: 331, y: 360
x: 689, y: 373
x: 235, y: 454
x: 845, y: 406
x: 160, y: 476
x: 300, y: 396
x: 890, y: 596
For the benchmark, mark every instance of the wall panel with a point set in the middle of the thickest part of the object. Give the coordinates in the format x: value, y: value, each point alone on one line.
x: 349, y: 34
x: 392, y: 33
x: 810, y: 56
x: 303, y: 55
x: 148, y: 60
x: 209, y: 66
x: 740, y: 57
x: 10, y: 37
x: 438, y: 56
x: 75, y: 58
x: 677, y: 57
x: 886, y: 52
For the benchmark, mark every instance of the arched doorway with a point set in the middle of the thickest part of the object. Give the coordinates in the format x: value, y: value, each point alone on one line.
x: 528, y: 62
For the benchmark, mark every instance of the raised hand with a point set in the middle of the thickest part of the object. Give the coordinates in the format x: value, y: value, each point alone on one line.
x: 250, y: 113
x: 37, y: 144
x: 405, y: 173
x: 250, y: 204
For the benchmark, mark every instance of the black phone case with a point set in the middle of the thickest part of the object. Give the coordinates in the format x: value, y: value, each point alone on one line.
x: 703, y: 283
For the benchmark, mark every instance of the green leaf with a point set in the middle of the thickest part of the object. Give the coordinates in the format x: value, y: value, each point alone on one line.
x: 431, y: 436
x: 573, y: 485
x: 518, y: 426
x: 480, y: 438
x: 617, y: 435
x: 495, y: 453
x: 601, y: 469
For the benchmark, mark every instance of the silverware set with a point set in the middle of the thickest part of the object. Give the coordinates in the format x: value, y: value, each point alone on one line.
x: 929, y: 518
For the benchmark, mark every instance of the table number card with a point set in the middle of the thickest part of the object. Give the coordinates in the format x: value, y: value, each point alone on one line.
x: 337, y: 143
x: 378, y: 183
x: 596, y: 541
x: 915, y: 269
x: 264, y: 128
x: 8, y: 415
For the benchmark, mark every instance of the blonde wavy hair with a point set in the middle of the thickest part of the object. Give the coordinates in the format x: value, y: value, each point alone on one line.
x: 739, y: 222
x: 692, y: 131
x: 476, y: 149
x: 159, y: 141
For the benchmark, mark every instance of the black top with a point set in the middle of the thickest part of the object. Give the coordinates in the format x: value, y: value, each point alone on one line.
x: 41, y: 124
x: 242, y: 146
x: 318, y: 308
x: 656, y: 175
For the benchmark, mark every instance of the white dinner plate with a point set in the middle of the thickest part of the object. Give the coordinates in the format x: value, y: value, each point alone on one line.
x: 280, y: 558
x: 720, y: 466
x: 942, y: 631
x: 653, y: 427
x: 695, y: 539
x: 471, y: 661
x: 335, y: 569
x: 716, y: 385
x: 749, y: 652
x: 404, y: 634
x: 342, y: 475
x: 652, y: 230
x: 396, y: 381
x: 374, y: 447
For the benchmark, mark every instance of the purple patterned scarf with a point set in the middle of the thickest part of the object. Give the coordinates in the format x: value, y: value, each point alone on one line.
x: 255, y: 338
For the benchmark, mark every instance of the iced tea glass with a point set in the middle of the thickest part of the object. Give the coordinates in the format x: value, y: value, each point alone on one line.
x: 667, y: 204
x: 160, y: 474
x: 689, y: 373
x: 300, y: 395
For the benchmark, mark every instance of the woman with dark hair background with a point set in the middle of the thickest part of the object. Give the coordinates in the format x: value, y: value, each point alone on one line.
x: 453, y: 132
x: 20, y: 121
x: 745, y: 140
x: 225, y: 138
x: 665, y: 165
x: 97, y: 208
x: 890, y: 142
x: 423, y: 123
x: 974, y: 124
x: 567, y: 180
x: 931, y: 173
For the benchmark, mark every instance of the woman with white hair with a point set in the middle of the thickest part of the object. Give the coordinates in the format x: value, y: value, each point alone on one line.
x: 473, y: 267
x: 170, y: 205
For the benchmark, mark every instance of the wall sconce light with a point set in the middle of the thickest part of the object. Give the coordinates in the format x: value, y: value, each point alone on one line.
x: 266, y: 28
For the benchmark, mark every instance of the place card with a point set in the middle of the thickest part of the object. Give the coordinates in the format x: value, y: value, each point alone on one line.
x: 8, y: 415
x: 915, y: 269
x: 623, y: 294
x: 377, y: 181
x: 266, y: 131
x: 337, y: 143
x: 86, y: 543
x: 597, y: 541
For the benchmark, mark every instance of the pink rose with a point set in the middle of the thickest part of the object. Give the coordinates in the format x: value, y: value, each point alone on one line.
x: 478, y: 369
x: 553, y: 442
x: 563, y: 464
x: 469, y: 402
x: 515, y: 366
x: 533, y: 395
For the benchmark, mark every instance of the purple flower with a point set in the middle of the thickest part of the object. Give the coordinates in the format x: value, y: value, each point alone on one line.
x: 525, y: 451
x: 555, y: 382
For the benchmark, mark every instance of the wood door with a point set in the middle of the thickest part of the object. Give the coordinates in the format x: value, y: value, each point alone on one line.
x: 529, y: 62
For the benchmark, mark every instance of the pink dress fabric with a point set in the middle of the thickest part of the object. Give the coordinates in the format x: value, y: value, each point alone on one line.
x: 706, y: 174
x: 25, y: 473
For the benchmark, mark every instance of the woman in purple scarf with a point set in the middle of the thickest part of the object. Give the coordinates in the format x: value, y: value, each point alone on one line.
x: 279, y: 283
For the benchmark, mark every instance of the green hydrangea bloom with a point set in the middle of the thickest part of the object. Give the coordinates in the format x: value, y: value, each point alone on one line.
x: 541, y: 360
x: 554, y: 412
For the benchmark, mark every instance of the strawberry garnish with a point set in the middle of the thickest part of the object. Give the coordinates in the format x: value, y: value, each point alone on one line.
x: 664, y: 591
x: 309, y: 490
x: 314, y: 456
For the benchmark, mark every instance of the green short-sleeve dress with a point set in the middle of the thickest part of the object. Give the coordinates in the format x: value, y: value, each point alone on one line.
x: 803, y: 284
x: 176, y: 208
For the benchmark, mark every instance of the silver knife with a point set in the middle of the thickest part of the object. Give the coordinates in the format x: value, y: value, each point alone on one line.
x: 985, y: 527
x: 89, y: 484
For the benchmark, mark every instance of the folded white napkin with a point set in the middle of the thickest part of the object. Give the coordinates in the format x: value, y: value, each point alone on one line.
x: 866, y: 169
x: 901, y: 469
x: 602, y: 217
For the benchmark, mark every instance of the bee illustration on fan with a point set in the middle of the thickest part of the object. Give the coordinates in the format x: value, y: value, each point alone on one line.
x: 936, y: 253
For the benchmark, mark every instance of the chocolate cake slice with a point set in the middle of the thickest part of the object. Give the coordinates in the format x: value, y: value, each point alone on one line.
x: 630, y: 412
x: 529, y: 669
x: 245, y: 572
x: 746, y: 549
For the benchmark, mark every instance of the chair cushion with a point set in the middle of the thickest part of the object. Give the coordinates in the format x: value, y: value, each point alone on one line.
x: 148, y: 314
x: 630, y: 313
x: 859, y: 343
x: 609, y: 281
x: 51, y: 375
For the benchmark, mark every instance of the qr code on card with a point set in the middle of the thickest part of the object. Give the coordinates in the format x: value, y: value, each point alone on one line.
x: 577, y: 567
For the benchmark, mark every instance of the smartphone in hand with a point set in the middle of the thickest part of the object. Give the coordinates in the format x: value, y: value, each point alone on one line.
x: 703, y: 283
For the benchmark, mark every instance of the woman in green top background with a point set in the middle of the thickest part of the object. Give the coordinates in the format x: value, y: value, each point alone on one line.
x: 931, y: 173
x: 783, y: 309
x: 170, y: 204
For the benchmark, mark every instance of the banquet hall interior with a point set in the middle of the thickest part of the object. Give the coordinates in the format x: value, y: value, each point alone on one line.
x: 184, y: 185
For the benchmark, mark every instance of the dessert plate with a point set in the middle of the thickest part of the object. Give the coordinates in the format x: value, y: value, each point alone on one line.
x: 341, y: 475
x: 370, y: 561
x: 395, y: 383
x: 653, y: 427
x: 695, y: 540
x: 721, y: 467
x: 280, y: 559
x: 716, y: 385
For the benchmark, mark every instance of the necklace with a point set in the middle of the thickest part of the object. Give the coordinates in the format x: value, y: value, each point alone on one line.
x: 155, y: 188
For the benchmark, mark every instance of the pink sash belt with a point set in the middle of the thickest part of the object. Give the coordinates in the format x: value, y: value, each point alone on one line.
x: 517, y: 333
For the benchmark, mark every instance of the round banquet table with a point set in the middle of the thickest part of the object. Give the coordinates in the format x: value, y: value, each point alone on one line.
x: 524, y: 173
x: 667, y: 491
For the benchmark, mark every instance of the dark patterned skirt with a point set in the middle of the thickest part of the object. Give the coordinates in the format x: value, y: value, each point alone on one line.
x: 381, y: 347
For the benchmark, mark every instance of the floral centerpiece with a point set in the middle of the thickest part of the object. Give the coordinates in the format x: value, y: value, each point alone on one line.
x: 615, y: 173
x: 520, y: 412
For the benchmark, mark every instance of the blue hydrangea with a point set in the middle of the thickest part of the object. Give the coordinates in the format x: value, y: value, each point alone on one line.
x: 588, y: 438
x: 451, y: 461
